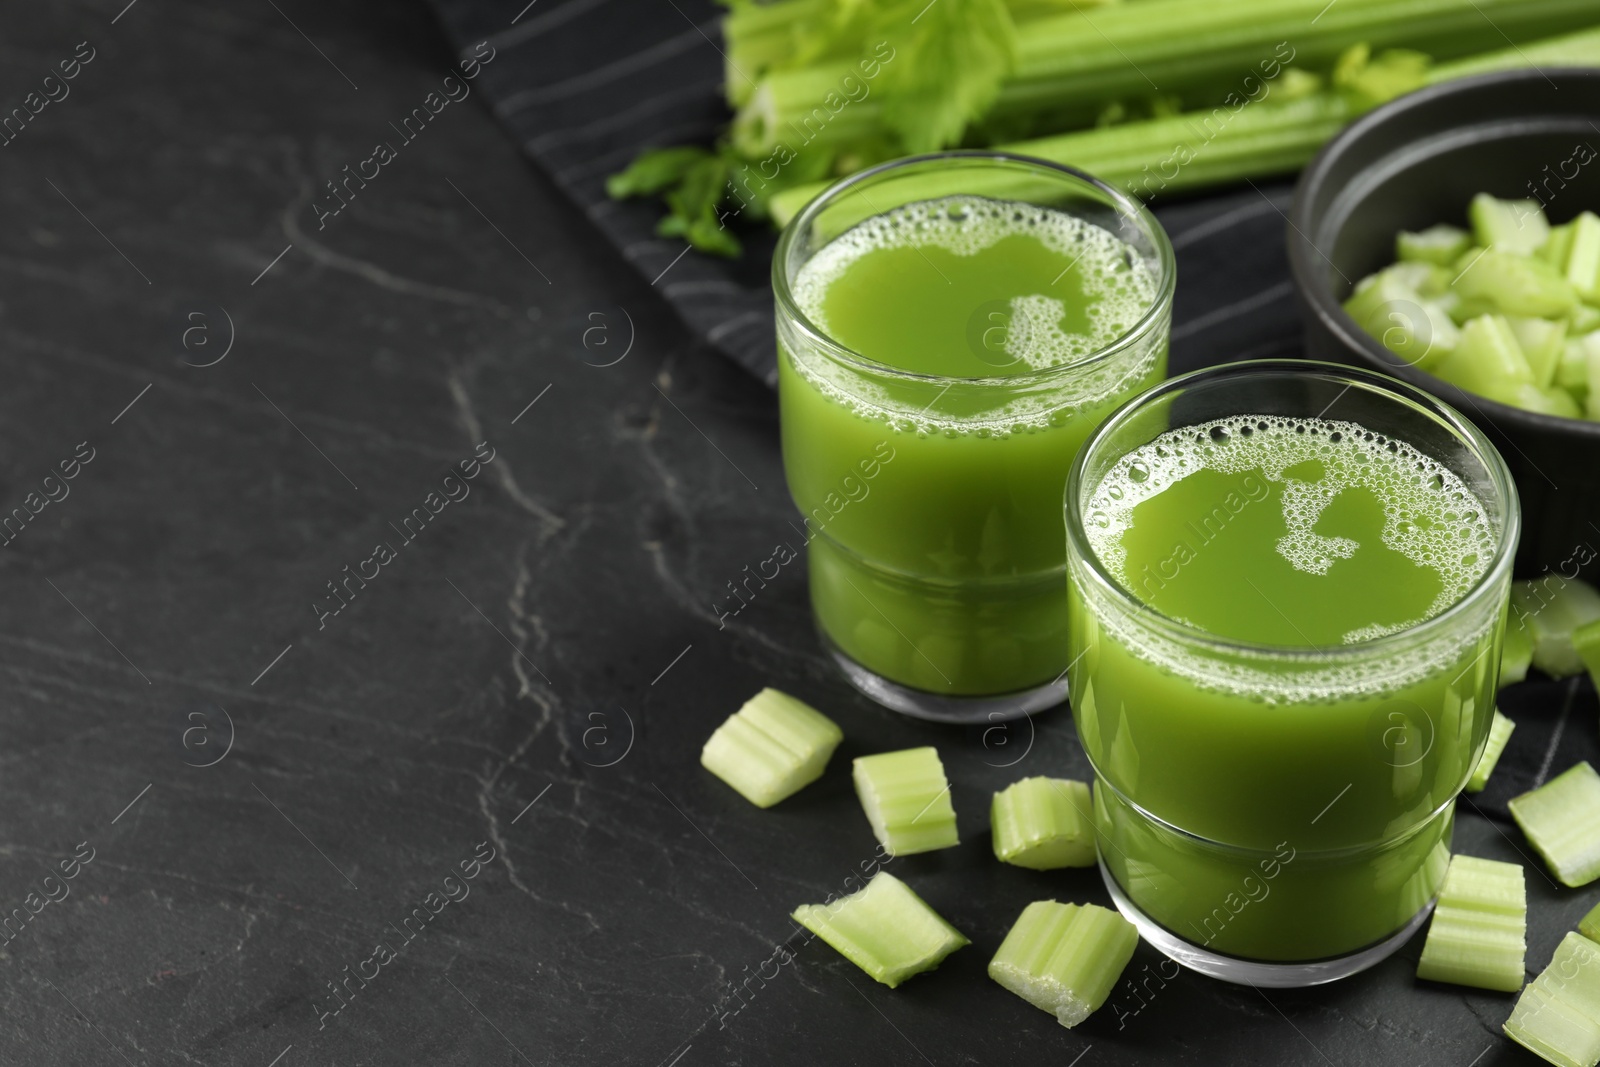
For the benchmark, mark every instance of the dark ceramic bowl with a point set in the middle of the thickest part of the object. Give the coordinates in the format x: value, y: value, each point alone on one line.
x: 1418, y: 161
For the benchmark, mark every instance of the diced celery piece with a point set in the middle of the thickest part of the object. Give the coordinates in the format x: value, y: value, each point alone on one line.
x: 1487, y: 360
x: 1558, y: 1014
x: 907, y: 800
x: 1439, y: 244
x: 1516, y: 651
x: 1583, y: 257
x: 1514, y: 285
x: 1389, y: 307
x: 1426, y: 279
x: 1551, y: 608
x: 1572, y: 373
x: 1557, y: 246
x: 1584, y: 318
x: 1064, y: 958
x: 884, y: 928
x: 1562, y: 821
x: 1044, y: 823
x: 1542, y: 342
x: 1530, y: 397
x: 1586, y: 643
x: 1477, y: 937
x: 1589, y: 925
x: 1500, y: 729
x: 1517, y: 226
x: 771, y: 748
x: 1592, y: 403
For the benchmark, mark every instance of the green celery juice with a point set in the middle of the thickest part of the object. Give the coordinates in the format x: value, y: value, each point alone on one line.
x: 1282, y: 805
x: 928, y: 465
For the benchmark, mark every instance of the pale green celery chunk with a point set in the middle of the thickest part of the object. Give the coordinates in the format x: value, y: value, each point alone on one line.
x: 1557, y: 246
x: 1487, y: 359
x: 1530, y: 397
x: 1585, y: 318
x: 1572, y: 374
x: 884, y: 928
x: 1044, y: 823
x: 771, y: 748
x: 1558, y: 1014
x: 1589, y: 925
x: 1514, y: 284
x: 1477, y: 936
x: 1542, y: 341
x: 1517, y: 226
x: 1516, y: 650
x: 1583, y: 256
x: 907, y: 800
x: 1562, y: 821
x: 1437, y: 244
x: 1064, y: 958
x: 1551, y: 608
x: 1499, y: 733
x: 1389, y: 307
x: 1586, y: 643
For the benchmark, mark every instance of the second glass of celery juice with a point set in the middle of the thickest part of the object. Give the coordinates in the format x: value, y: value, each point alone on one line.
x: 950, y: 329
x: 1288, y: 587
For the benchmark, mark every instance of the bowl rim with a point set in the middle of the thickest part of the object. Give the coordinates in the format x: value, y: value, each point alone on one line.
x: 1317, y: 297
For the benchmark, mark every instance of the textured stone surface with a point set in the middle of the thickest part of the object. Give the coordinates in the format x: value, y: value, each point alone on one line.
x: 267, y: 797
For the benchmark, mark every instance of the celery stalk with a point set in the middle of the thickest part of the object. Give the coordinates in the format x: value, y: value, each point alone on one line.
x: 1514, y: 284
x: 1064, y: 958
x: 1517, y: 226
x: 1583, y: 256
x: 907, y: 800
x: 1499, y: 733
x: 771, y: 747
x: 1487, y: 360
x: 1562, y: 821
x: 1543, y: 341
x: 885, y: 929
x: 1551, y: 608
x: 1477, y: 936
x: 1589, y: 925
x: 1044, y: 823
x: 1558, y: 1014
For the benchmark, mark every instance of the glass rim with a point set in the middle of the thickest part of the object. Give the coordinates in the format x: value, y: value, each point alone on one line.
x: 1127, y: 206
x: 1419, y: 400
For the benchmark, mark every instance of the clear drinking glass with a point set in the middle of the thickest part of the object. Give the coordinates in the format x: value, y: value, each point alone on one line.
x: 1276, y: 815
x: 930, y: 501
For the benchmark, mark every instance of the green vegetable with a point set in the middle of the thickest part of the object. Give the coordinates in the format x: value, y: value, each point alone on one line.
x: 1064, y: 958
x: 1586, y: 643
x: 1044, y: 823
x: 1499, y: 733
x: 1515, y: 226
x: 885, y: 929
x: 1516, y: 652
x: 1418, y: 330
x: 1487, y: 359
x: 1514, y: 284
x: 1589, y: 925
x: 1439, y: 244
x: 907, y: 800
x: 1582, y: 264
x: 1562, y: 821
x: 1558, y: 1014
x: 1572, y: 373
x: 1477, y: 936
x: 1551, y: 608
x: 771, y: 747
x: 1543, y: 341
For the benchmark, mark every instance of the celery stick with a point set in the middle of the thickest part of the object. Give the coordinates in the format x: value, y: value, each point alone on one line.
x: 1542, y: 341
x: 1515, y: 284
x: 1439, y: 244
x: 1043, y: 823
x: 1516, y: 651
x: 1558, y: 1014
x: 1586, y: 643
x: 1487, y: 359
x: 1551, y: 608
x: 1589, y: 925
x: 1573, y: 372
x: 771, y: 747
x: 1500, y: 729
x: 1517, y: 226
x: 885, y: 929
x: 1557, y: 246
x: 1562, y: 821
x: 1477, y: 936
x: 1583, y: 257
x: 907, y: 800
x: 1064, y: 958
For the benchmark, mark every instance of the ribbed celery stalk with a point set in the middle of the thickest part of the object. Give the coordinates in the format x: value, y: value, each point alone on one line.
x: 1589, y: 925
x: 1562, y: 820
x: 1553, y: 607
x: 1044, y: 823
x: 907, y: 800
x: 771, y: 747
x: 758, y: 37
x: 1499, y: 733
x: 1479, y: 929
x: 1558, y: 1014
x: 885, y: 929
x: 1064, y: 958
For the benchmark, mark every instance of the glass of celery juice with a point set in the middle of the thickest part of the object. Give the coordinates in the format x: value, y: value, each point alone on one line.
x: 1287, y: 587
x: 950, y: 329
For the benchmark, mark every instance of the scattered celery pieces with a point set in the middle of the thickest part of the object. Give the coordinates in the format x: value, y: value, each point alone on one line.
x: 907, y: 800
x: 1558, y: 1014
x: 771, y: 748
x: 1043, y: 823
x: 1064, y: 958
x: 885, y: 929
x: 1589, y: 925
x: 1499, y: 733
x: 1552, y: 608
x: 1562, y: 820
x: 1478, y: 934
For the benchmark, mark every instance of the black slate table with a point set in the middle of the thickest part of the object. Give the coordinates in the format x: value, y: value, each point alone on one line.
x: 378, y: 610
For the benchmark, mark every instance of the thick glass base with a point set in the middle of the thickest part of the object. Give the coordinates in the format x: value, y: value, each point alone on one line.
x: 1270, y: 975
x: 937, y: 707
